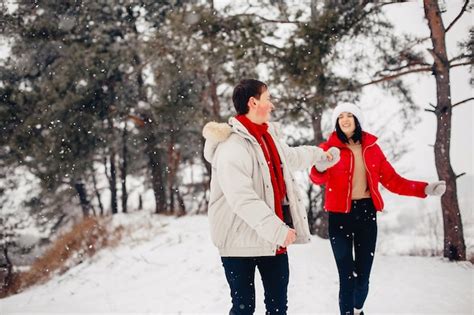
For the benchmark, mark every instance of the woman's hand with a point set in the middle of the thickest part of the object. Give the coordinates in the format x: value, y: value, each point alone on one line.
x: 436, y: 188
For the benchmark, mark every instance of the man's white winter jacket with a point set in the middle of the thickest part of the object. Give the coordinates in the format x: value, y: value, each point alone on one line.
x: 241, y: 210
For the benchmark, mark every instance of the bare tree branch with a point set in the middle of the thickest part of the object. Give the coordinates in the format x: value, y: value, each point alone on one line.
x: 462, y: 64
x: 463, y: 101
x: 265, y: 20
x: 418, y: 41
x: 271, y: 45
x: 466, y: 2
x: 393, y: 76
x: 411, y: 64
x: 462, y: 56
x: 383, y: 79
x: 380, y: 4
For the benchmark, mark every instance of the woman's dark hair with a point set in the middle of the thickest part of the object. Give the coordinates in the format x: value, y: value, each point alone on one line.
x: 356, y: 137
x: 244, y: 91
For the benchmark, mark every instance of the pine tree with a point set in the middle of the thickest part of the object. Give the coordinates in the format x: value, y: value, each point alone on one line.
x: 454, y: 246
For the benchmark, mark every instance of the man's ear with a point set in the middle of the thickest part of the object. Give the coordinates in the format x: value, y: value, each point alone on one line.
x: 251, y: 103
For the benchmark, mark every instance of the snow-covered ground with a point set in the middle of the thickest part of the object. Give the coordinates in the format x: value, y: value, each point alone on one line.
x: 169, y: 266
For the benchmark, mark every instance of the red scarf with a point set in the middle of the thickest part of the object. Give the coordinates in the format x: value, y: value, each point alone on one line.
x: 265, y: 140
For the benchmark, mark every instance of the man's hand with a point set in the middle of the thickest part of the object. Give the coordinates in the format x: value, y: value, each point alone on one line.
x: 290, y: 238
x: 333, y: 155
x: 329, y: 156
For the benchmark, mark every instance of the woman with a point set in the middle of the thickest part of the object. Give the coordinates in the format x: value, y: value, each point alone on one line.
x: 353, y: 199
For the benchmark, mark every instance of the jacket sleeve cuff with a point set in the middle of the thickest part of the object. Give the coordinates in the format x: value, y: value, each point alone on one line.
x: 282, y: 233
x: 423, y: 190
x: 317, y: 177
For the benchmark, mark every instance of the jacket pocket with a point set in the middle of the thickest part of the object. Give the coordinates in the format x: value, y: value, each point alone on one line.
x: 241, y: 235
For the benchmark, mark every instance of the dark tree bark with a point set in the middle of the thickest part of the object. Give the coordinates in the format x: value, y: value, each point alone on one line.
x: 6, y: 271
x: 216, y: 106
x: 318, y: 218
x: 84, y: 201
x: 181, y: 205
x: 113, y: 183
x: 155, y: 164
x: 123, y: 170
x: 97, y: 193
x: 112, y: 177
x: 454, y: 246
x: 140, y: 202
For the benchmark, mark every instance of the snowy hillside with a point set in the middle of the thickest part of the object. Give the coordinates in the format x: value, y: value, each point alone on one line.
x: 167, y: 265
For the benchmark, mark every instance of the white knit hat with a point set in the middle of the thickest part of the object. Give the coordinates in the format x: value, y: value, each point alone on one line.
x: 348, y: 108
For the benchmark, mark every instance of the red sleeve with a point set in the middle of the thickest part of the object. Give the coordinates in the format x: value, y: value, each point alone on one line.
x: 398, y: 184
x: 316, y: 176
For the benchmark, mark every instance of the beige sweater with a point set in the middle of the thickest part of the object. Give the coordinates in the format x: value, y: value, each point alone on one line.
x: 360, y: 189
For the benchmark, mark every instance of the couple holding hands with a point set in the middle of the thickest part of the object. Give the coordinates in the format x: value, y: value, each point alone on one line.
x: 256, y: 210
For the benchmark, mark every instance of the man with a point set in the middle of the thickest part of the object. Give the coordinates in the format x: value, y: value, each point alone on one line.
x: 255, y: 208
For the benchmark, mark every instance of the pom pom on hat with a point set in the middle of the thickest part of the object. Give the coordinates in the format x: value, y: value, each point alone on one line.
x: 349, y: 108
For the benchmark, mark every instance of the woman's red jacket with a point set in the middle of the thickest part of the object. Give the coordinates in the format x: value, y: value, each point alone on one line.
x: 338, y: 179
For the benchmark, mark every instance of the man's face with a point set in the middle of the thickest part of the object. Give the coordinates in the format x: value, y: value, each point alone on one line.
x: 263, y: 107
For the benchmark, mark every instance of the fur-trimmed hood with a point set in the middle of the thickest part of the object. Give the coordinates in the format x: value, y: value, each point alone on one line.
x: 215, y: 133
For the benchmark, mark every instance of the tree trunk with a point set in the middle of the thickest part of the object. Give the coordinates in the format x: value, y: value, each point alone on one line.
x: 155, y: 164
x: 153, y: 153
x: 97, y: 193
x: 6, y: 271
x: 157, y: 180
x: 174, y: 159
x: 207, y: 176
x: 171, y: 204
x: 123, y: 170
x: 454, y: 246
x: 216, y: 106
x: 112, y: 177
x: 81, y: 192
x: 319, y: 218
x: 113, y: 183
x: 182, y: 206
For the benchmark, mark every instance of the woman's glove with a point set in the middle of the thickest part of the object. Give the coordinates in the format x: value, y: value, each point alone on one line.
x: 436, y: 188
x: 323, y: 165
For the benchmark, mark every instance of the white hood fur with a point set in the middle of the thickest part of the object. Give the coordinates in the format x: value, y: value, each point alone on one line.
x: 216, y: 132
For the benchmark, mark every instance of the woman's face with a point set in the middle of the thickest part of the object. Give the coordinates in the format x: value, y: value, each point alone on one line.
x: 347, y: 124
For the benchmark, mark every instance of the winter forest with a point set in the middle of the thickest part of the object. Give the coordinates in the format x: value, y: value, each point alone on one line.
x: 104, y: 189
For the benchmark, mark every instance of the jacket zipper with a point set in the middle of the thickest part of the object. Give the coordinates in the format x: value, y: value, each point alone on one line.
x: 368, y: 173
x: 349, y: 191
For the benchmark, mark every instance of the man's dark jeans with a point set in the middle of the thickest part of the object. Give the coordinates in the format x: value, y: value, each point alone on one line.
x: 240, y: 274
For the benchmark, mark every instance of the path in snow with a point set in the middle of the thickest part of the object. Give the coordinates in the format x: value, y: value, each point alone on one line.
x: 178, y: 271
